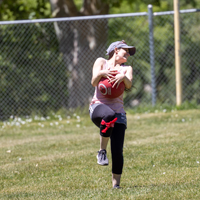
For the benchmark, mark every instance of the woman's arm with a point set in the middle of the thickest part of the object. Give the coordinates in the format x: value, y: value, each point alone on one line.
x: 125, y: 77
x: 128, y: 77
x: 98, y: 72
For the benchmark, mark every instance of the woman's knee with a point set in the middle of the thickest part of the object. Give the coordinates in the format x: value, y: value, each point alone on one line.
x: 107, y: 127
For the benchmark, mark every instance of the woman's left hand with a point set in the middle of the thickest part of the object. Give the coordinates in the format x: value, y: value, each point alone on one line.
x: 117, y: 80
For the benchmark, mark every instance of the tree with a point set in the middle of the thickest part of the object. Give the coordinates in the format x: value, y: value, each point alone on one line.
x: 77, y: 42
x: 74, y: 42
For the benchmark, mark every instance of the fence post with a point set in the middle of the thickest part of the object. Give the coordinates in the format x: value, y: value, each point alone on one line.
x: 177, y: 53
x: 151, y: 49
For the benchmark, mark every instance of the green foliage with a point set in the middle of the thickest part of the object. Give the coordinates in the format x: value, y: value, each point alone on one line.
x: 24, y: 9
x: 31, y: 80
x: 18, y: 58
x: 135, y: 30
x: 36, y: 9
x: 130, y: 6
x: 118, y: 3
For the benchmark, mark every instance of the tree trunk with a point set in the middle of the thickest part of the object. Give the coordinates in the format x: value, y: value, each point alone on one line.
x: 81, y: 42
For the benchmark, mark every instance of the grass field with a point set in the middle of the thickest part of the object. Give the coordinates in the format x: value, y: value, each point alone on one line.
x: 55, y: 158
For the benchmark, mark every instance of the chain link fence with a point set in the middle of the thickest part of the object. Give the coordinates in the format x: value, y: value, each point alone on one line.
x: 46, y: 65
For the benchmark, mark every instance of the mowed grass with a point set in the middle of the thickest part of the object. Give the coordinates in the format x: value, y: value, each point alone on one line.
x: 55, y: 158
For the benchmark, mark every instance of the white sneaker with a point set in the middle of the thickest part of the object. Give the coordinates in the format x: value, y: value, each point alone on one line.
x: 102, y: 158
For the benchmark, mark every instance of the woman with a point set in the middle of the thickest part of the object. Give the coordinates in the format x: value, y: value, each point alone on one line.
x: 108, y: 113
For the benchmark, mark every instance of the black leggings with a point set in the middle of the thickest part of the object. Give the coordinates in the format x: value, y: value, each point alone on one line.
x: 116, y: 134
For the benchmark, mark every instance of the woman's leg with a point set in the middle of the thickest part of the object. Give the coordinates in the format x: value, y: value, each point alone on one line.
x: 103, y: 142
x: 117, y: 142
x: 116, y: 179
x: 102, y: 116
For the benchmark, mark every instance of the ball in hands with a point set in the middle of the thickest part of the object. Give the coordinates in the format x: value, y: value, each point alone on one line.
x: 108, y: 91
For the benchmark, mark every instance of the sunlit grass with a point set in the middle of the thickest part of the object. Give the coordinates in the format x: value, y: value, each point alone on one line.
x: 55, y: 157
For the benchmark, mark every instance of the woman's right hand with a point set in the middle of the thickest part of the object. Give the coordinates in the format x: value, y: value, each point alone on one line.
x: 98, y: 72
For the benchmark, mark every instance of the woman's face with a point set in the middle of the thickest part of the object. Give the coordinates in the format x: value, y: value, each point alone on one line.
x: 123, y: 53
